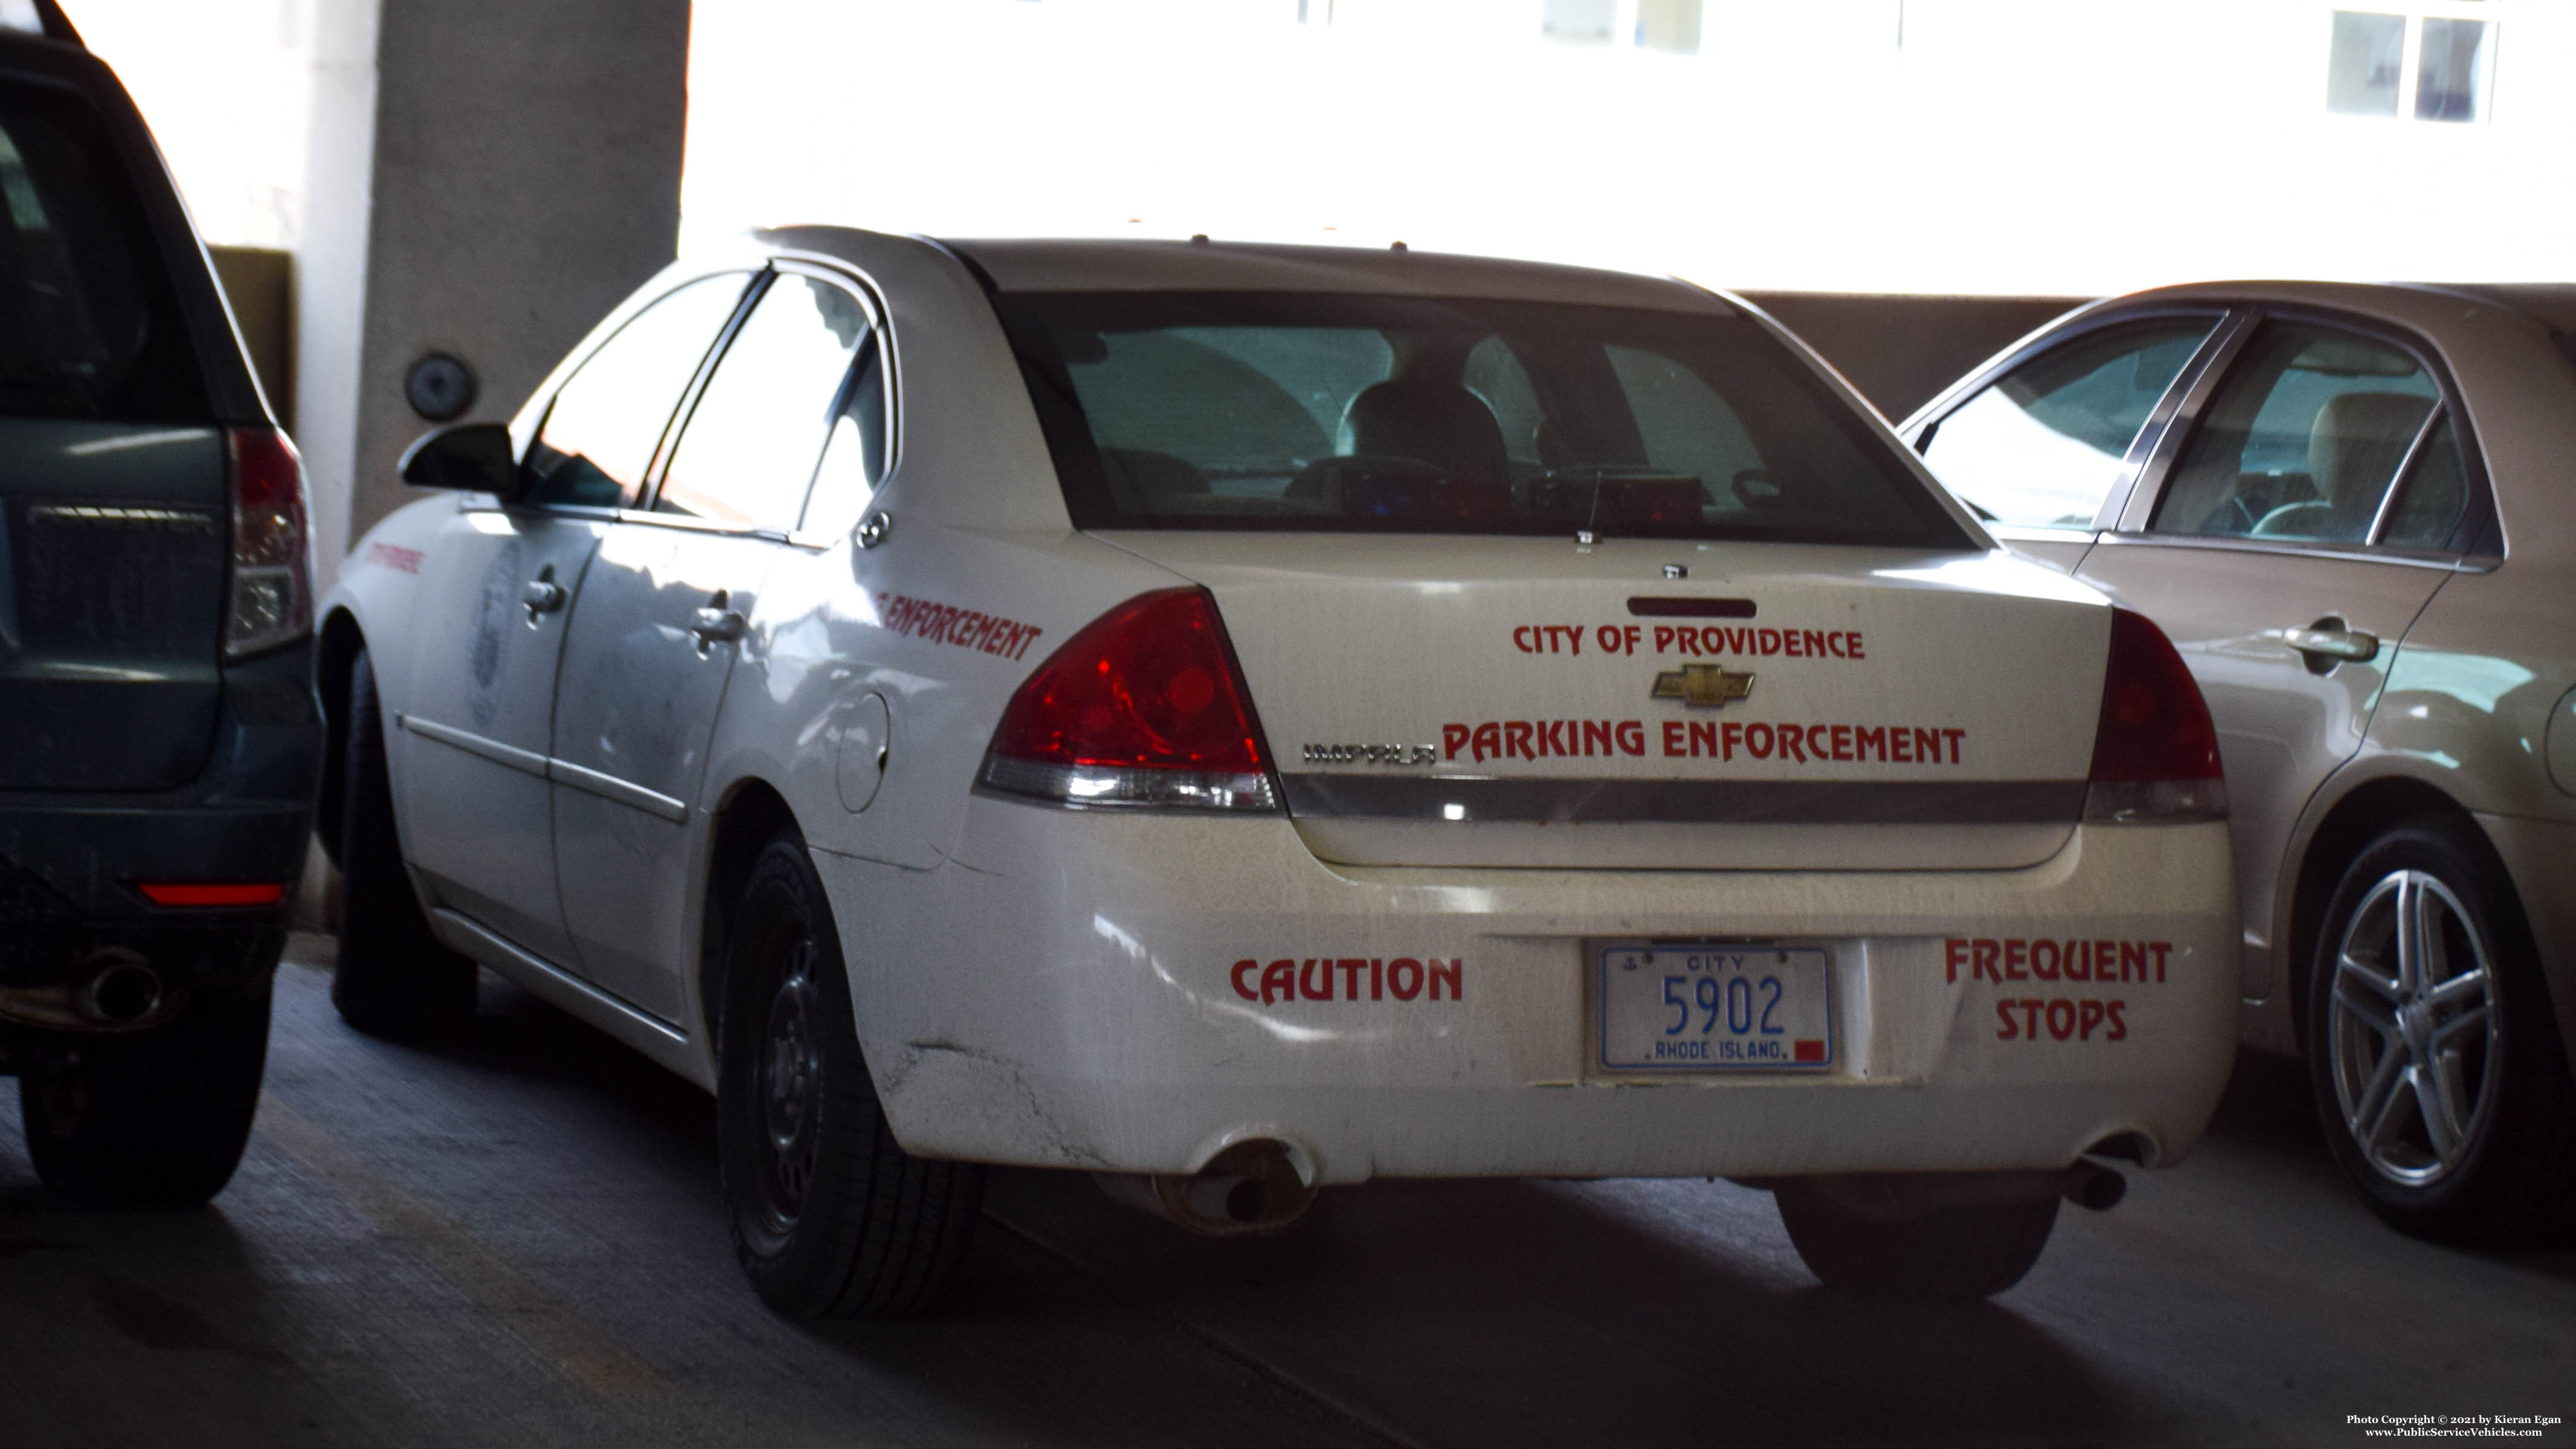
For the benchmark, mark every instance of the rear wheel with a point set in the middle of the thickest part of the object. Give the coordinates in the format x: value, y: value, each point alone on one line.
x: 155, y: 1117
x: 394, y: 978
x: 2436, y: 1062
x: 1952, y: 1254
x: 831, y: 1217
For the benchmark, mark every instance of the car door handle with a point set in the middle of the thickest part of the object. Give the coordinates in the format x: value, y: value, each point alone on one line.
x: 2341, y: 644
x: 714, y: 626
x: 542, y: 596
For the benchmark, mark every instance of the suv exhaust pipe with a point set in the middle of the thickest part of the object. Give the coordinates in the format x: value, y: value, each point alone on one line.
x: 112, y: 989
x: 1251, y: 1187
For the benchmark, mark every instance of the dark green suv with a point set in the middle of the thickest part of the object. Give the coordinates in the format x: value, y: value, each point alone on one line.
x: 160, y: 740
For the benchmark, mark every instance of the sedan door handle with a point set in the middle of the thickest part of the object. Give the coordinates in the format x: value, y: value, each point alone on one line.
x: 714, y: 626
x: 542, y: 596
x: 2339, y: 644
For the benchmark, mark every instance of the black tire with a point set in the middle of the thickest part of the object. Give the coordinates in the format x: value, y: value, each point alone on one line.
x: 831, y: 1217
x: 2483, y: 1152
x: 395, y: 979
x: 152, y: 1118
x: 1951, y: 1255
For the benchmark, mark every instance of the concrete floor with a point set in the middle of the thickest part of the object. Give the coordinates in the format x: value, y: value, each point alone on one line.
x: 519, y: 1241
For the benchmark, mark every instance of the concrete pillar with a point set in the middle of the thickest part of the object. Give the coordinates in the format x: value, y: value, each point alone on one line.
x: 487, y: 178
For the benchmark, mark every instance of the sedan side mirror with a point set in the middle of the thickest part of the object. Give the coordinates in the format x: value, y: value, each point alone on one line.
x: 465, y: 457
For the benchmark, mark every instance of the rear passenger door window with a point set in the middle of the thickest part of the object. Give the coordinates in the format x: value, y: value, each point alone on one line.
x: 2307, y: 440
x: 601, y: 430
x: 2043, y: 446
x: 749, y: 450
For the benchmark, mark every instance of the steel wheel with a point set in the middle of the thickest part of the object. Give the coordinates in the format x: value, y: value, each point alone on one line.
x: 790, y: 1078
x: 2414, y: 1033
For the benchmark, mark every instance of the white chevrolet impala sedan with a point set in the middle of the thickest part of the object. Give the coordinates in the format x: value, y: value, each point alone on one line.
x: 1237, y: 719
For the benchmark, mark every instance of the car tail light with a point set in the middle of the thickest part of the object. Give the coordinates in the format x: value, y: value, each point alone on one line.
x: 1143, y: 708
x: 213, y: 893
x: 269, y: 600
x: 2155, y: 752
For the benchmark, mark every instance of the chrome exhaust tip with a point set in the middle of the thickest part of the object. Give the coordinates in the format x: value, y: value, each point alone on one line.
x: 1249, y: 1188
x: 121, y: 991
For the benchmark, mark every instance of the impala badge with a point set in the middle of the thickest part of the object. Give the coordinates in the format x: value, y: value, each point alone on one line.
x: 1702, y: 685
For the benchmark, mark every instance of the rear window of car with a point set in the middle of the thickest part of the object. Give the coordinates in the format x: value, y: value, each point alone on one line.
x: 1374, y: 414
x: 89, y: 326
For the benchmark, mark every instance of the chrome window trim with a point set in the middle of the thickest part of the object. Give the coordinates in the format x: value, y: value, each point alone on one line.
x: 2445, y: 560
x: 2155, y: 470
x: 2405, y: 475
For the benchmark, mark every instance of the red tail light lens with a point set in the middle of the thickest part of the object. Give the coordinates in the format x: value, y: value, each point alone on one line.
x: 213, y: 893
x: 270, y: 598
x: 1144, y: 707
x: 2155, y: 752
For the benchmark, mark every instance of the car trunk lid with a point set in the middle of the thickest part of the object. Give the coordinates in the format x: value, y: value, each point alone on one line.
x: 1531, y: 702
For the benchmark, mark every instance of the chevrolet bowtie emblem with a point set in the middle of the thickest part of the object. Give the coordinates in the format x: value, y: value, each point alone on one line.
x: 1709, y: 685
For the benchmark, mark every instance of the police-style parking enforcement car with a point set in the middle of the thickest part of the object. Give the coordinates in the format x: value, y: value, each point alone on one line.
x: 1242, y: 719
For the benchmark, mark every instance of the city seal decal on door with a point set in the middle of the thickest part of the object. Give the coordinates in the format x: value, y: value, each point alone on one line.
x: 1702, y: 686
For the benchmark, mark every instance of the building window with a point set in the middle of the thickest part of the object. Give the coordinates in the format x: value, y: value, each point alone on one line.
x: 2437, y: 66
x: 1667, y: 25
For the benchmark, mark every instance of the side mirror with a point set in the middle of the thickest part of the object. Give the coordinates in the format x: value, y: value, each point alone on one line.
x: 464, y: 457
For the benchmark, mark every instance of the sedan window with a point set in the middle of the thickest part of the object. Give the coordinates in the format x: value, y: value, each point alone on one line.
x: 2044, y: 446
x: 2305, y: 439
x: 1383, y: 414
x: 748, y: 451
x: 601, y: 429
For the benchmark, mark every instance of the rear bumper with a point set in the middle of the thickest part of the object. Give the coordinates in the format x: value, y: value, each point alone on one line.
x: 1064, y: 993
x: 69, y: 862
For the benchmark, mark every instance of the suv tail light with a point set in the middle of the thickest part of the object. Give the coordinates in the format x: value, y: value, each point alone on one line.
x: 1143, y: 708
x: 269, y: 600
x: 2155, y: 752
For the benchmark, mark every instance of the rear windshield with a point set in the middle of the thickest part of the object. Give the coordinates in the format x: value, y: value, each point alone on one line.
x: 1370, y: 414
x: 88, y: 323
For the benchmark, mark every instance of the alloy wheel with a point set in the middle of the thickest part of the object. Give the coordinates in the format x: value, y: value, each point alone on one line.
x: 2414, y: 1039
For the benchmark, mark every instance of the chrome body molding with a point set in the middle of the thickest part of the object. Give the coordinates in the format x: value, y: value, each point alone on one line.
x: 544, y: 767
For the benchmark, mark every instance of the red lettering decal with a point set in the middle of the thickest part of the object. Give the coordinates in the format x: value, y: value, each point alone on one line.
x: 1632, y: 737
x: 1279, y: 981
x: 2015, y: 952
x: 2045, y: 971
x: 1488, y: 740
x: 1927, y: 747
x: 2030, y: 1009
x: 2088, y: 1015
x: 1767, y: 641
x: 1351, y: 976
x: 2003, y: 1013
x: 1663, y: 637
x: 1954, y: 736
x: 2079, y: 961
x: 1953, y: 952
x: 1793, y: 743
x: 1520, y: 640
x: 1312, y: 986
x: 2133, y: 957
x: 1842, y: 742
x: 1242, y: 987
x: 1573, y: 636
x: 2061, y: 1027
x: 2160, y: 948
x: 1404, y: 978
x: 1792, y: 643
x: 1596, y: 732
x: 1609, y: 637
x: 1516, y: 738
x: 1834, y: 644
x: 1703, y: 737
x: 1453, y: 973
x: 1987, y: 952
x: 1854, y: 637
x: 2104, y: 953
x: 1377, y: 979
x: 1689, y: 638
x: 1757, y: 741
x: 1628, y: 636
x: 1899, y: 744
x: 1551, y: 738
x: 1869, y: 738
x: 1673, y: 737
x: 2119, y: 1029
x: 1453, y: 737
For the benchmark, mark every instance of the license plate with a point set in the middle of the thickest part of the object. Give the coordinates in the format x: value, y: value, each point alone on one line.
x: 1715, y: 1008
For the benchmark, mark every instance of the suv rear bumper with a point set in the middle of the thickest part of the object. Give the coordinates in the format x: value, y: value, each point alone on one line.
x: 1065, y: 992
x: 69, y: 863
